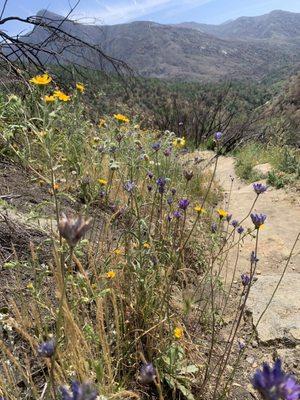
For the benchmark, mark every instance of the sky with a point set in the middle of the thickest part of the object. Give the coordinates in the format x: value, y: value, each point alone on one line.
x: 163, y: 11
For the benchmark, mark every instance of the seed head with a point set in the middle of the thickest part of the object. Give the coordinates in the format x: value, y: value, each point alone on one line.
x: 73, y: 228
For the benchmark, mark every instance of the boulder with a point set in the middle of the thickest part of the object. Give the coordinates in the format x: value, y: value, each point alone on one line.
x: 281, y: 322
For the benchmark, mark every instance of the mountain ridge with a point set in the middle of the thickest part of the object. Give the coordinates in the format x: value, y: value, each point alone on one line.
x: 175, y: 51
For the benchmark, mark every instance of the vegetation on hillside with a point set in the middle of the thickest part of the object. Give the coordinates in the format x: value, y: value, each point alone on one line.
x: 126, y: 293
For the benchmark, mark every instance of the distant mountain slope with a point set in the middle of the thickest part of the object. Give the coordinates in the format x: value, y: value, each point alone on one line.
x: 178, y: 51
x: 275, y: 25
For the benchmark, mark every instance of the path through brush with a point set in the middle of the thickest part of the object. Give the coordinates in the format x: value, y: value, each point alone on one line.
x: 282, y: 321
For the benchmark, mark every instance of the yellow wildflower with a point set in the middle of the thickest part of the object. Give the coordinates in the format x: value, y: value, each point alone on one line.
x: 49, y: 98
x: 80, y: 87
x: 110, y: 275
x: 61, y: 95
x: 146, y: 245
x: 222, y: 213
x: 102, y: 122
x: 103, y: 182
x: 41, y: 79
x: 117, y: 252
x: 179, y: 142
x: 121, y: 118
x: 56, y: 186
x: 178, y: 332
x: 30, y: 286
x: 199, y: 209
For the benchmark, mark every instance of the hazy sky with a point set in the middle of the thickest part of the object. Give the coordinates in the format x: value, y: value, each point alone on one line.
x: 172, y: 11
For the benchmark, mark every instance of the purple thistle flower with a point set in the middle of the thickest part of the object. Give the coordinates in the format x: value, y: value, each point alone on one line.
x: 161, y: 183
x: 218, y: 136
x: 168, y: 152
x: 245, y: 279
x: 274, y: 384
x: 259, y: 188
x: 129, y: 186
x: 234, y: 223
x: 78, y: 391
x: 240, y: 230
x: 47, y: 349
x: 150, y: 174
x: 169, y: 200
x: 177, y: 214
x: 228, y: 218
x: 169, y: 218
x: 183, y: 204
x: 173, y: 191
x: 214, y: 227
x: 253, y: 258
x: 241, y: 344
x: 147, y: 373
x: 258, y: 219
x: 156, y: 146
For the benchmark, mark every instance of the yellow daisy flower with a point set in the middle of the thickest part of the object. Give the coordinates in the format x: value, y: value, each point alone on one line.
x: 121, y: 118
x: 103, y: 182
x: 199, y: 209
x: 43, y: 79
x: 178, y: 333
x: 222, y: 213
x: 118, y: 252
x: 61, y: 95
x: 179, y: 142
x: 80, y: 87
x: 49, y: 99
x: 110, y: 275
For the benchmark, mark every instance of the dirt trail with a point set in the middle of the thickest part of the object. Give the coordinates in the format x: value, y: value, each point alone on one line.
x: 282, y: 225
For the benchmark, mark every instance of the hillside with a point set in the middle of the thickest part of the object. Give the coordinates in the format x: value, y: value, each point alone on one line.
x: 277, y: 24
x: 171, y: 51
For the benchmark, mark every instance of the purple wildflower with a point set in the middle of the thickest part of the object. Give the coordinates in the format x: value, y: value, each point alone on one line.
x: 169, y: 218
x: 47, y: 349
x: 214, y: 227
x: 129, y: 186
x: 234, y: 223
x: 240, y: 230
x: 102, y: 194
x: 78, y: 391
x: 241, y: 344
x: 259, y: 188
x: 245, y: 279
x: 177, y: 214
x: 169, y: 200
x: 161, y: 183
x: 150, y: 174
x: 258, y: 219
x: 149, y: 188
x: 156, y: 146
x: 147, y: 373
x: 228, y: 218
x: 274, y: 384
x: 253, y: 258
x: 218, y: 136
x: 168, y: 152
x: 183, y: 204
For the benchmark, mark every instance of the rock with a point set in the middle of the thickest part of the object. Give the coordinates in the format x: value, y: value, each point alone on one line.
x: 281, y: 322
x: 290, y: 357
x: 263, y: 169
